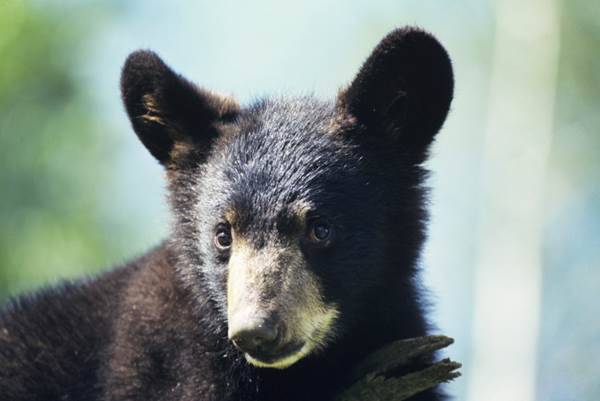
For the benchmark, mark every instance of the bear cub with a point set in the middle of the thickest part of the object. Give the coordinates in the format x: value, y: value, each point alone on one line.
x: 297, y: 229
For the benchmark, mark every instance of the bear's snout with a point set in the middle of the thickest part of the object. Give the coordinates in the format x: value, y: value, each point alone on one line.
x: 275, y: 307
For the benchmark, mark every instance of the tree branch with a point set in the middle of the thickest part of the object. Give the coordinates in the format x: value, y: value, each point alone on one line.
x: 371, y: 375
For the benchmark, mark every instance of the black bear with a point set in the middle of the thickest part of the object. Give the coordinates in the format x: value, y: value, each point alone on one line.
x: 297, y: 229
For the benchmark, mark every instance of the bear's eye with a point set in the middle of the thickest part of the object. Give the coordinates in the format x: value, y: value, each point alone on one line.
x: 223, y: 238
x: 320, y: 231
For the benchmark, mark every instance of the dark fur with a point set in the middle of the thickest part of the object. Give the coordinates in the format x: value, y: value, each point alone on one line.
x: 157, y: 328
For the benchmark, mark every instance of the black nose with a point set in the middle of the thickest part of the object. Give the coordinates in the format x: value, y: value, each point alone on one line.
x: 256, y: 338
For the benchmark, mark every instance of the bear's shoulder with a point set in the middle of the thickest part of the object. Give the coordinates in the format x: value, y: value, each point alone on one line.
x: 63, y: 336
x: 165, y: 339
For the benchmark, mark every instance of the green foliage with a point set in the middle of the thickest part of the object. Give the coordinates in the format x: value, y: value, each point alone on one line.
x: 48, y: 205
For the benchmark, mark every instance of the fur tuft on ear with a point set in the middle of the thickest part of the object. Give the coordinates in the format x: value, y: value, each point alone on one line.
x: 166, y: 110
x: 404, y: 89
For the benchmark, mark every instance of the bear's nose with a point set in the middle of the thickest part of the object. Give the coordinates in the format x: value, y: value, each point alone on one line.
x: 256, y: 338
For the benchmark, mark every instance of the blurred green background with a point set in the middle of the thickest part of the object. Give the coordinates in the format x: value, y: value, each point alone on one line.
x: 80, y: 194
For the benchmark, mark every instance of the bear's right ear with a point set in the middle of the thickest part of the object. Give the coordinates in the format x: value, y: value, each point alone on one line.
x: 403, y: 91
x: 168, y: 112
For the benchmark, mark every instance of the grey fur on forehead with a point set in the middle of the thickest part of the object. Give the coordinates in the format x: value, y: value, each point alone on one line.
x: 282, y: 151
x: 286, y: 138
x: 293, y: 113
x: 269, y: 126
x: 286, y: 120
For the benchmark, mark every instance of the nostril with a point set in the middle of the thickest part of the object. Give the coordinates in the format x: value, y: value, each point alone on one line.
x: 256, y: 338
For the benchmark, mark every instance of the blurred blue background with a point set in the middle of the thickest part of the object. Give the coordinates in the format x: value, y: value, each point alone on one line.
x: 513, y: 258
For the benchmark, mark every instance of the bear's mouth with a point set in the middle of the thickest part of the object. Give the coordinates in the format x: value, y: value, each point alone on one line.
x: 282, y: 358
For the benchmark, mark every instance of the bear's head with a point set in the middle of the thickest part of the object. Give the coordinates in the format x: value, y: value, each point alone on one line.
x: 293, y: 215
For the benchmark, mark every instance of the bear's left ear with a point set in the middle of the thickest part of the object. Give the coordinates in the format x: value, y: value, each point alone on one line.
x: 170, y: 114
x: 403, y: 91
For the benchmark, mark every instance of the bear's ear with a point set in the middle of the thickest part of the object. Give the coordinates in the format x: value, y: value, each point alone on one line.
x: 403, y: 91
x: 169, y: 113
